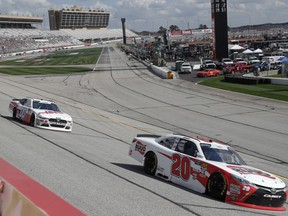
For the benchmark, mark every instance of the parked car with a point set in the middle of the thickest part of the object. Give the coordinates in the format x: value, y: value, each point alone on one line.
x: 178, y: 64
x: 185, y: 68
x: 227, y: 61
x: 253, y: 60
x: 208, y: 72
x: 239, y: 60
x: 239, y: 67
x: 208, y: 64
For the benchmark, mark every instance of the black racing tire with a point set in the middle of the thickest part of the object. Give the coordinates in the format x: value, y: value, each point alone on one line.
x: 150, y: 163
x: 217, y: 186
x: 14, y: 115
x: 32, y: 120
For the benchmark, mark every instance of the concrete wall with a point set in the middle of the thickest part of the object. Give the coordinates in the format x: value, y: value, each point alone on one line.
x: 162, y: 72
x: 279, y: 81
x: 22, y: 196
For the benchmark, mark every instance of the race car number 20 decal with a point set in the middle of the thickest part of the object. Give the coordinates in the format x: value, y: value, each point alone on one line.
x: 181, y: 167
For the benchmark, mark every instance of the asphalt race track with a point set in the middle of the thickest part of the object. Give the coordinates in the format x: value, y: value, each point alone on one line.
x: 90, y: 167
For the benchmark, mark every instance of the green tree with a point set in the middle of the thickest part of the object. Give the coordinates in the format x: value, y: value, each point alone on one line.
x: 203, y: 26
x: 162, y: 30
x: 174, y: 28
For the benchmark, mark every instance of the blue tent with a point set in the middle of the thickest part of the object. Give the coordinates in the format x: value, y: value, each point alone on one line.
x: 284, y: 60
x: 260, y: 64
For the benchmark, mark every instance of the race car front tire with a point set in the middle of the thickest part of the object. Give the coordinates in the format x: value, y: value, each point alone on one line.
x: 150, y: 163
x: 14, y: 115
x: 217, y: 186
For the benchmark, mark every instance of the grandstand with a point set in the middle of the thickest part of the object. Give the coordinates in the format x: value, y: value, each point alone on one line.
x: 27, y: 22
x: 19, y: 34
x: 19, y: 40
x: 78, y: 18
x: 96, y: 35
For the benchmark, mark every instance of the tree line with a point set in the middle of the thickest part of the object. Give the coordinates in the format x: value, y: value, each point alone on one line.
x: 163, y: 30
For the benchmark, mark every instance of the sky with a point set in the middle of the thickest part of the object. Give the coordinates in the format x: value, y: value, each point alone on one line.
x: 151, y: 14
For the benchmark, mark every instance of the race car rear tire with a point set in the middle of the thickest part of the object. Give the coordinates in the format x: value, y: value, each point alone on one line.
x: 32, y: 121
x: 150, y: 163
x: 217, y: 186
x: 14, y: 115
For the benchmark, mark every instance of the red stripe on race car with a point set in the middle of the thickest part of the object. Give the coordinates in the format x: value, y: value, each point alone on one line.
x: 258, y: 207
x: 168, y: 156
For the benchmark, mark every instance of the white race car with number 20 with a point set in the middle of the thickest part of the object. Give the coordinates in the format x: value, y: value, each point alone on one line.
x: 209, y: 167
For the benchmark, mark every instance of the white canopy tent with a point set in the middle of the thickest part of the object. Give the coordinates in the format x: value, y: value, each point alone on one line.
x: 258, y: 51
x: 247, y: 51
x: 236, y: 47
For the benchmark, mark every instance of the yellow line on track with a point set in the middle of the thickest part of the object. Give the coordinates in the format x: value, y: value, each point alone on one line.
x: 114, y: 121
x: 281, y: 177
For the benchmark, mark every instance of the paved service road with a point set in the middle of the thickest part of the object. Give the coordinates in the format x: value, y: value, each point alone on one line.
x: 90, y: 167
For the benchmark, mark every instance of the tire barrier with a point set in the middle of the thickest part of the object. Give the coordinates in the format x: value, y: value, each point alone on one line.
x: 251, y: 79
x: 246, y: 80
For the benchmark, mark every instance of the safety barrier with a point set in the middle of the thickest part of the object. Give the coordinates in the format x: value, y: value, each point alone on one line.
x: 279, y: 81
x: 162, y: 72
x: 21, y: 195
x: 267, y: 75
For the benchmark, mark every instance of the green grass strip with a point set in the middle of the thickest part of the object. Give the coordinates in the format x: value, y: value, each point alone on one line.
x: 64, y: 57
x: 43, y: 70
x: 278, y: 92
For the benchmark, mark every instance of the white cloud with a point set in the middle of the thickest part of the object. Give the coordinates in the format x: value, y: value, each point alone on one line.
x: 151, y: 14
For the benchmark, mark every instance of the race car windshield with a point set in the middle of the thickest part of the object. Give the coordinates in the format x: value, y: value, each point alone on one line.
x: 228, y: 155
x: 45, y: 106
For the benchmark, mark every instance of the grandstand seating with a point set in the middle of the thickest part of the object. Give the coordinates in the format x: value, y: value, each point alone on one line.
x: 98, y: 34
x: 19, y: 40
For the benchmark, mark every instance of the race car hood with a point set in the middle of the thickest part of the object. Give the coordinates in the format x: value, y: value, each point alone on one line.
x: 52, y: 114
x: 255, y: 176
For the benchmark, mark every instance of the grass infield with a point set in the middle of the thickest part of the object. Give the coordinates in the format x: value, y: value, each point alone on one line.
x: 47, y: 64
x: 278, y: 92
x: 43, y: 70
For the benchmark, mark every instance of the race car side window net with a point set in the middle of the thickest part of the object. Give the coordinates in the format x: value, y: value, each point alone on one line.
x: 187, y: 147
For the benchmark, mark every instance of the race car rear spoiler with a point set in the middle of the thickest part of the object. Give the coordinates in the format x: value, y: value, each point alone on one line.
x: 148, y: 135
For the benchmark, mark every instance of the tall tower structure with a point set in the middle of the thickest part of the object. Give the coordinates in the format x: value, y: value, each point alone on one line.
x: 123, y: 20
x: 219, y: 28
